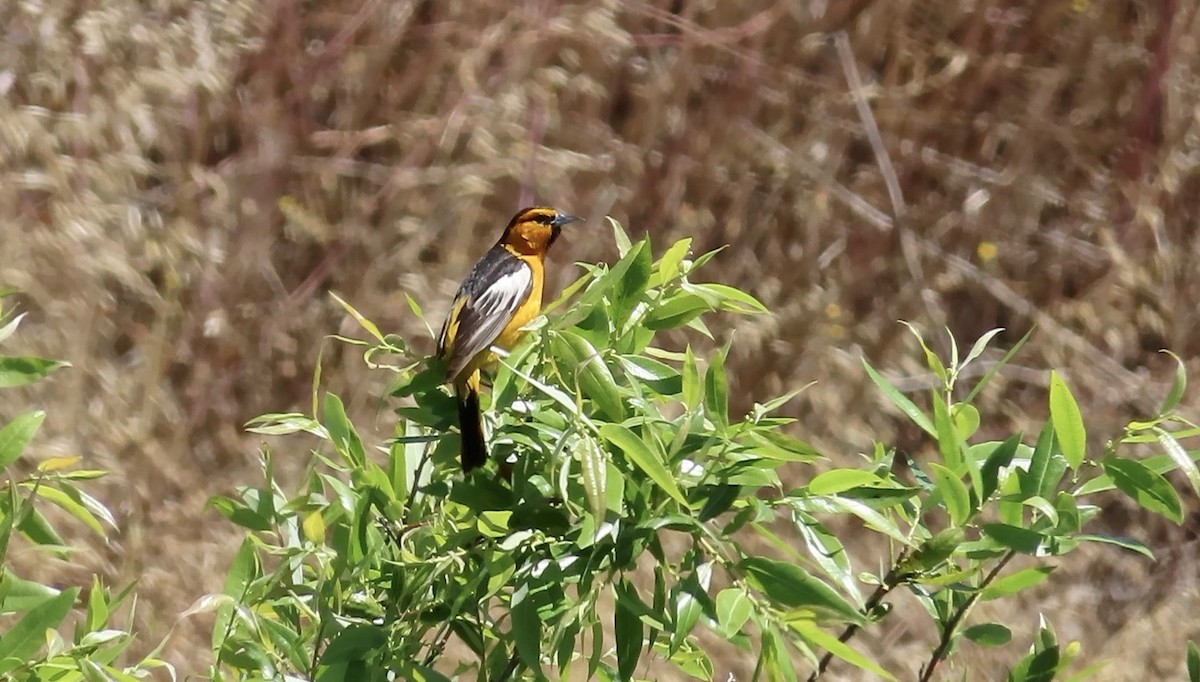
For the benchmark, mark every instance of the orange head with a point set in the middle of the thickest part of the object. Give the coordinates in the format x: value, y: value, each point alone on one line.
x: 533, y: 230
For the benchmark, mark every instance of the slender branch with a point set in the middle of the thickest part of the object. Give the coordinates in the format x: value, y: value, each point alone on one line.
x: 894, y: 577
x: 510, y: 669
x: 943, y: 647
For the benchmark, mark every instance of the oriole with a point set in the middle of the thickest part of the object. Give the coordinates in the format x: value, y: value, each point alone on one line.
x: 501, y: 294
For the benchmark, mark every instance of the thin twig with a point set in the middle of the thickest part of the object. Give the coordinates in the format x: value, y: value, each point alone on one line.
x: 943, y: 647
x: 894, y: 577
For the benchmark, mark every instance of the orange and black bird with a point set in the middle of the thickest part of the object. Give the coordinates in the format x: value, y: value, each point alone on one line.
x: 501, y: 294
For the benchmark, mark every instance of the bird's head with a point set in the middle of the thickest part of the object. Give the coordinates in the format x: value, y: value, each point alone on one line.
x: 533, y: 230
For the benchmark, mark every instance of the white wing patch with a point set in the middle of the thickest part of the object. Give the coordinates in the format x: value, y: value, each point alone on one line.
x: 484, y: 317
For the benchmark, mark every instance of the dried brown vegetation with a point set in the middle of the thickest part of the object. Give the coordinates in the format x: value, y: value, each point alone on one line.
x: 181, y: 182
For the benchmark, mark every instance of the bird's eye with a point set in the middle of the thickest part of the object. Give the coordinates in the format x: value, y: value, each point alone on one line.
x: 545, y: 219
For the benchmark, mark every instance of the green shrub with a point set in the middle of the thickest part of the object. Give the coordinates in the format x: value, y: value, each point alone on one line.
x: 33, y: 614
x: 631, y: 482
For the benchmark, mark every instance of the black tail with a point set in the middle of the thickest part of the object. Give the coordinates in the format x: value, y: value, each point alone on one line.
x: 470, y: 426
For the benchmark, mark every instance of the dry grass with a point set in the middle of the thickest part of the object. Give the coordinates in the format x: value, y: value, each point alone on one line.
x: 1047, y: 158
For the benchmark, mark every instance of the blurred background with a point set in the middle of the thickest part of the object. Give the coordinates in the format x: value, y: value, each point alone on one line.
x: 181, y: 184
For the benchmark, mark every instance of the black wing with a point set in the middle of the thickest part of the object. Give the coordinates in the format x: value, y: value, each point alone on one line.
x: 486, y: 302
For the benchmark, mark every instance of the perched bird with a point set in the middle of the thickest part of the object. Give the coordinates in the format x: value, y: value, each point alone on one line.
x: 501, y: 294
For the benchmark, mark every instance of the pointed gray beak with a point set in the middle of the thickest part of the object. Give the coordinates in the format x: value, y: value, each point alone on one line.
x: 564, y: 219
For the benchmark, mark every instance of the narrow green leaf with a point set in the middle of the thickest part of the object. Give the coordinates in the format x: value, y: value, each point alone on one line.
x: 1180, y: 456
x: 1126, y: 543
x: 72, y: 506
x: 837, y: 481
x: 16, y: 434
x: 716, y: 390
x: 341, y: 431
x: 587, y: 367
x: 628, y: 290
x: 593, y: 469
x: 643, y: 457
x: 1000, y: 457
x: 988, y: 634
x: 18, y: 595
x: 628, y: 630
x: 980, y: 344
x: 620, y: 237
x: 1068, y: 423
x: 23, y: 370
x: 1193, y: 662
x: 790, y: 586
x: 1178, y: 386
x: 8, y: 329
x: 667, y: 269
x: 954, y: 494
x: 362, y: 321
x: 1014, y: 537
x: 814, y: 635
x: 1146, y: 486
x: 983, y: 382
x: 729, y: 298
x: 26, y: 637
x: 527, y: 628
x: 693, y: 390
x: 676, y: 312
x: 1014, y: 583
x: 931, y: 359
x: 949, y: 444
x: 898, y: 399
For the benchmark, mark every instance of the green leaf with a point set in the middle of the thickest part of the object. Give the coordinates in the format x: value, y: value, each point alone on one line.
x: 66, y: 502
x: 814, y: 635
x: 588, y: 368
x: 790, y: 586
x: 23, y: 370
x: 1178, y: 386
x: 988, y: 634
x: 1193, y: 662
x: 1000, y: 457
x: 1146, y: 486
x: 16, y: 434
x: 1014, y: 537
x: 18, y: 595
x: 729, y: 298
x: 341, y: 431
x: 628, y: 629
x: 949, y: 444
x: 362, y: 321
x: 908, y: 407
x: 734, y: 608
x: 676, y: 312
x: 1068, y: 423
x: 1127, y: 543
x: 593, y: 469
x: 716, y: 390
x: 980, y: 344
x: 628, y: 290
x: 527, y: 628
x: 620, y: 237
x: 837, y: 481
x: 1014, y: 583
x: 931, y: 359
x: 954, y: 494
x: 668, y: 266
x: 643, y: 457
x: 354, y: 643
x: 1177, y: 454
x: 8, y: 329
x: 26, y: 637
x: 693, y: 390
